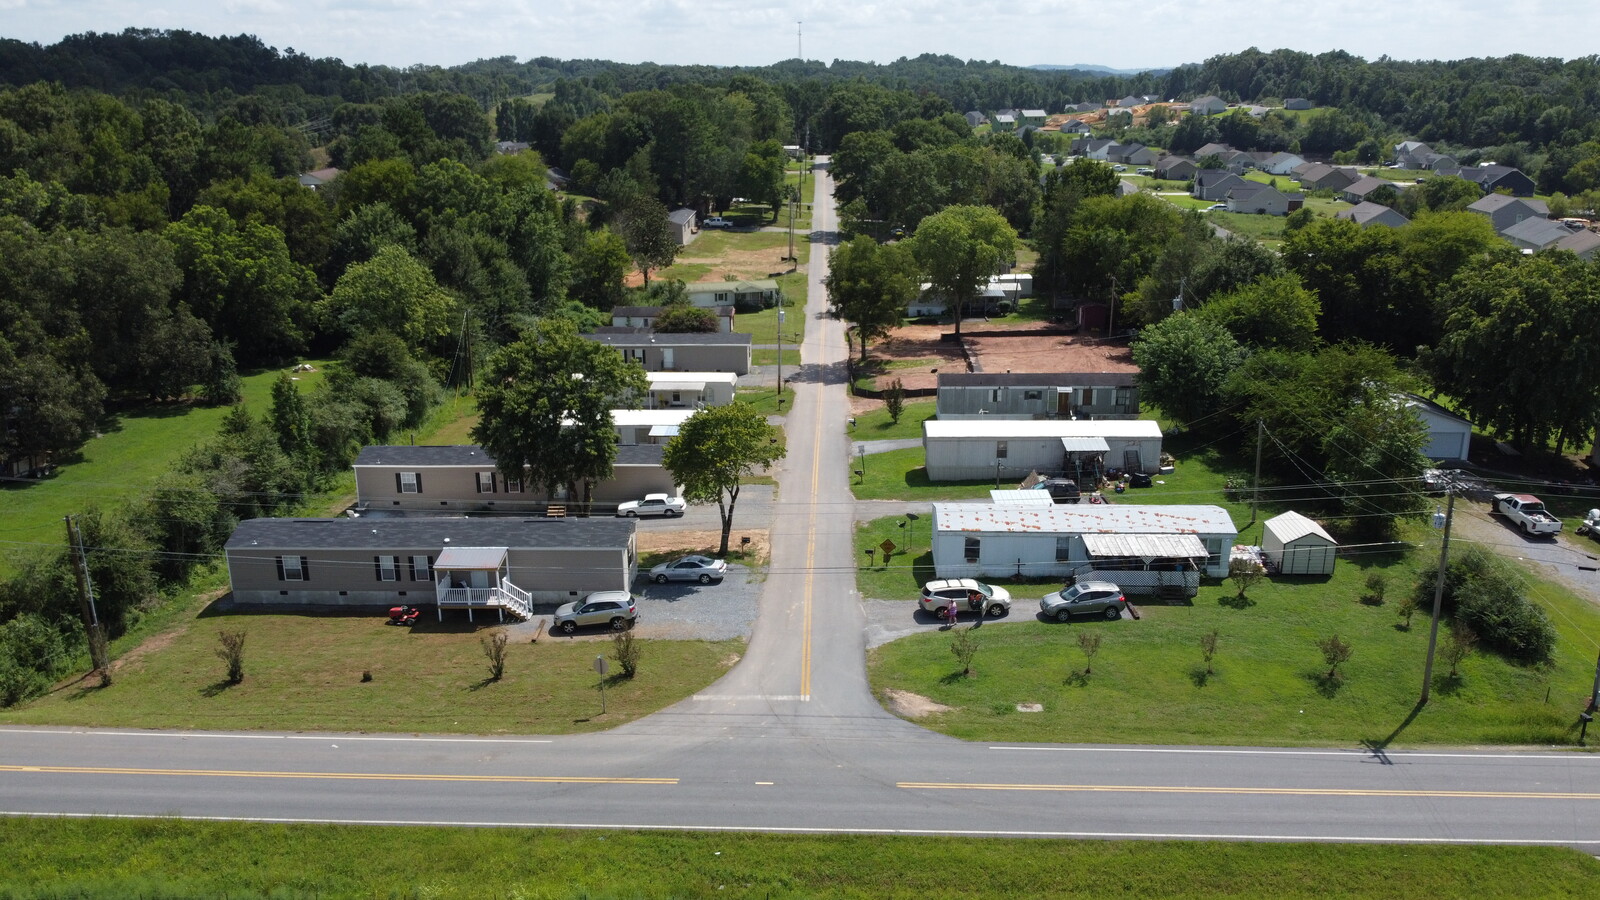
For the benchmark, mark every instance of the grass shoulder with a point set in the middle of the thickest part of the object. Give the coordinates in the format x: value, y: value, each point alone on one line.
x: 878, y: 426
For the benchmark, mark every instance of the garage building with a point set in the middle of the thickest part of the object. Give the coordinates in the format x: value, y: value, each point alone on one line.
x: 1297, y: 545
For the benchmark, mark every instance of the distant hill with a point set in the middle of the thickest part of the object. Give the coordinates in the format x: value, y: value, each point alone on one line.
x: 1098, y: 70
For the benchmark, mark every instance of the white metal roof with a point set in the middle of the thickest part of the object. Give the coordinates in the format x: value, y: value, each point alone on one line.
x: 677, y: 385
x: 1022, y: 498
x: 1291, y: 526
x: 1082, y: 518
x: 1085, y: 445
x: 470, y: 558
x: 1145, y: 546
x: 642, y: 417
x: 1041, y: 428
x: 663, y: 430
x: 703, y: 377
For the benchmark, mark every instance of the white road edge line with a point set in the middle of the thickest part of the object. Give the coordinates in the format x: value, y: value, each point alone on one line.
x: 330, y: 738
x: 780, y: 829
x: 1409, y: 754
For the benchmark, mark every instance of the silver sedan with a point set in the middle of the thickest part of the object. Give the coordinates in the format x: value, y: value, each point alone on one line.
x: 703, y: 569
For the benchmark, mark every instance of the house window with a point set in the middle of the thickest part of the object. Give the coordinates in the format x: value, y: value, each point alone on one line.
x: 485, y: 482
x: 1213, y: 552
x: 1063, y: 549
x: 387, y: 568
x: 972, y: 550
x: 513, y: 485
x: 666, y: 358
x: 421, y: 568
x: 677, y: 397
x: 409, y: 482
x: 1124, y: 398
x: 1033, y: 395
x: 1000, y: 449
x: 292, y: 568
x: 994, y: 395
x: 1088, y: 396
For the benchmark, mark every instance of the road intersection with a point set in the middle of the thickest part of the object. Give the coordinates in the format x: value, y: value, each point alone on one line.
x: 792, y: 740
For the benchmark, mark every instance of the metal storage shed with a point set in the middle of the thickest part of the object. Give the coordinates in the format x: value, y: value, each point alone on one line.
x: 1298, y: 546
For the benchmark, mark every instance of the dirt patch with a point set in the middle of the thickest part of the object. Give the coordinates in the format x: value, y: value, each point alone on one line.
x: 736, y: 264
x: 696, y: 541
x: 160, y: 642
x: 912, y: 706
x: 1049, y: 353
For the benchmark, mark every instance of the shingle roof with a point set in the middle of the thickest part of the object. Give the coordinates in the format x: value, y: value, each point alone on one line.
x: 645, y: 338
x: 427, y: 457
x: 424, y: 531
x: 681, y: 216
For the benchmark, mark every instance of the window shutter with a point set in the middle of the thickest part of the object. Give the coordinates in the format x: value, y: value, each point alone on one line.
x: 430, y: 568
x: 411, y: 563
x: 399, y: 487
x: 305, y: 568
x: 493, y: 480
x: 377, y: 567
x: 418, y: 476
x: 280, y: 567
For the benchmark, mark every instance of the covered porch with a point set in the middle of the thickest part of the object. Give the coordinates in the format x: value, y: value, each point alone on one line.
x: 1162, y: 564
x: 478, y: 578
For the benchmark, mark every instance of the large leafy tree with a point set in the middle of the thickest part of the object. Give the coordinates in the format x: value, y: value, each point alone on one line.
x: 715, y: 450
x: 1184, y: 362
x: 546, y: 404
x: 642, y: 222
x: 1271, y: 313
x: 870, y: 284
x: 396, y: 293
x: 958, y: 249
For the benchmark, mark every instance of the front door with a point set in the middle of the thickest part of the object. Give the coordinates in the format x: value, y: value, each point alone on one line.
x: 478, y: 578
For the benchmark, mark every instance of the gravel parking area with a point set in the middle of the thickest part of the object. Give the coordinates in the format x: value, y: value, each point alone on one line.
x: 890, y: 620
x: 710, y: 612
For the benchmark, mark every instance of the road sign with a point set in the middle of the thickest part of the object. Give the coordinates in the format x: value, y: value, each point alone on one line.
x: 599, y: 665
x: 887, y: 547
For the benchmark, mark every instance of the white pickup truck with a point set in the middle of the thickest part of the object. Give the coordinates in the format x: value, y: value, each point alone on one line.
x: 1527, y: 512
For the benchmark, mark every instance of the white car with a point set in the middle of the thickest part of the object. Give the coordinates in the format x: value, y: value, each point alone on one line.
x: 716, y: 222
x: 970, y: 595
x: 1216, y: 207
x: 652, y: 505
x: 703, y: 569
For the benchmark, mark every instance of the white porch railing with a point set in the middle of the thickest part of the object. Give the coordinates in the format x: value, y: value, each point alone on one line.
x: 1140, y: 581
x: 506, y: 597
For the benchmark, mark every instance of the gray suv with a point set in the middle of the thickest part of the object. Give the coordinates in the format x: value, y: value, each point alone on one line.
x: 1086, y: 598
x: 613, y: 608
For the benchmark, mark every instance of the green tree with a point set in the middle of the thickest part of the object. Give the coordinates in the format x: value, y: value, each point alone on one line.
x: 1185, y: 361
x: 394, y: 292
x: 715, y: 450
x: 681, y: 319
x: 290, y: 419
x: 959, y: 248
x: 546, y: 402
x: 642, y: 222
x: 1270, y: 313
x: 761, y: 175
x: 870, y: 285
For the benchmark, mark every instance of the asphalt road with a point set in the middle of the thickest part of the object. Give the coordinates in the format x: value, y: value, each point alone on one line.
x: 792, y: 740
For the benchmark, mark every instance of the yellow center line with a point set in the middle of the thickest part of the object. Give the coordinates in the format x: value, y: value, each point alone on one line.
x: 1297, y: 792
x: 337, y: 776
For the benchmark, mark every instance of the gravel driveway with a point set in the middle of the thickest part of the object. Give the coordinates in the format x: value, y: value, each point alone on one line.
x: 1569, y: 558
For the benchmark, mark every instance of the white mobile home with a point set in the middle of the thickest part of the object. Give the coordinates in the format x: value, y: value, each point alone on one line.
x: 1008, y: 449
x: 1297, y: 545
x: 1141, y: 548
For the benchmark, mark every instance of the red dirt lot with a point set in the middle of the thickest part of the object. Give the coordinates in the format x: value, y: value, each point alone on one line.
x: 1026, y: 351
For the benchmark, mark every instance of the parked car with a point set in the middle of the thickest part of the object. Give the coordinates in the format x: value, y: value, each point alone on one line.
x: 1216, y: 207
x: 1527, y: 512
x: 612, y: 608
x: 1591, y: 523
x: 1146, y: 172
x: 1086, y: 598
x: 716, y: 222
x: 703, y: 569
x: 992, y: 601
x: 653, y: 505
x: 1061, y: 490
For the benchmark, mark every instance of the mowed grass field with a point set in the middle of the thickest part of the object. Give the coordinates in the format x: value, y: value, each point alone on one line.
x: 303, y: 673
x: 175, y: 859
x: 138, y: 446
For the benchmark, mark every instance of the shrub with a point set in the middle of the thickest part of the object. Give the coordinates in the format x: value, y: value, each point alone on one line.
x: 1208, y: 648
x: 494, y: 649
x: 1335, y: 653
x: 965, y: 646
x: 232, y: 653
x: 1504, y: 620
x: 626, y: 652
x: 1377, y: 587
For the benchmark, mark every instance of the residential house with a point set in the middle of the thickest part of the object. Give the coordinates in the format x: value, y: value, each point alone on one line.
x: 744, y: 296
x: 689, y: 390
x: 1130, y: 101
x: 1412, y: 154
x: 1539, y: 234
x: 1236, y: 160
x: 1358, y: 190
x: 316, y: 178
x: 1176, y: 168
x: 1505, y: 211
x: 1321, y: 176
x: 681, y: 352
x: 1004, y: 122
x: 1494, y: 179
x: 1296, y: 545
x: 1139, y: 155
x: 1144, y: 549
x: 645, y: 316
x: 1211, y: 150
x: 463, y: 478
x: 1262, y: 199
x: 1297, y: 103
x: 1207, y: 105
x: 1125, y: 187
x: 1086, y: 107
x: 1449, y: 435
x: 1585, y: 243
x: 975, y: 118
x: 1033, y: 118
x: 511, y: 148
x: 1367, y: 214
x: 1099, y: 149
x: 1075, y: 126
x: 648, y: 426
x: 1214, y: 184
x: 555, y: 179
x: 499, y: 564
x: 1009, y: 449
x: 1025, y: 395
x: 684, y: 224
x: 1281, y: 164
x: 1256, y: 112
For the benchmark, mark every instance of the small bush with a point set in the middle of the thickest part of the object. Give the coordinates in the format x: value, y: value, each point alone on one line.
x: 1208, y: 648
x: 1335, y: 653
x: 1407, y: 609
x: 1089, y: 643
x: 232, y: 654
x: 494, y: 649
x: 1376, y: 587
x: 626, y: 652
x: 1245, y: 574
x: 965, y: 646
x: 1484, y: 594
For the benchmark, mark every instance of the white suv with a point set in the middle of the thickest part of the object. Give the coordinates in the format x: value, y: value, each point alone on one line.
x: 969, y: 594
x: 652, y: 505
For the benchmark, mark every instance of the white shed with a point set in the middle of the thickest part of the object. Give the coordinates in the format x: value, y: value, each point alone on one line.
x: 1139, y: 547
x: 1298, y: 546
x: 1008, y: 449
x: 1449, y: 435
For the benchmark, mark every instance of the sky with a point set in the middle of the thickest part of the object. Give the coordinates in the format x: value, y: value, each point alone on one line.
x: 1160, y: 34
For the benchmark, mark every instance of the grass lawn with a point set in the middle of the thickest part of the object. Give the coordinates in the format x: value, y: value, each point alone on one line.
x: 718, y: 241
x: 172, y: 858
x: 900, y: 475
x: 1187, y: 202
x: 139, y: 445
x: 303, y: 673
x: 1261, y: 227
x: 765, y: 400
x: 770, y: 357
x: 875, y: 425
x: 763, y: 326
x: 685, y: 272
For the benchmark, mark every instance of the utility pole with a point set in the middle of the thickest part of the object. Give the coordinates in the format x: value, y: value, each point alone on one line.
x: 1111, y: 324
x: 91, y: 616
x: 1255, y: 492
x: 780, y: 351
x: 1438, y: 593
x: 799, y: 41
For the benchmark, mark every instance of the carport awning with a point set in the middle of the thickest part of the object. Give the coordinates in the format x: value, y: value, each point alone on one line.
x: 1085, y: 445
x: 1145, y: 546
x: 470, y: 558
x: 663, y: 431
x: 678, y: 386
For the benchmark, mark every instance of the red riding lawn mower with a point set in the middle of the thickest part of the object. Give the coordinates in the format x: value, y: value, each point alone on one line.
x: 403, y: 615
